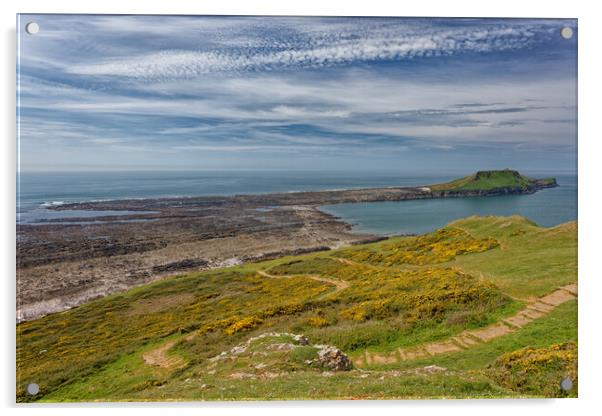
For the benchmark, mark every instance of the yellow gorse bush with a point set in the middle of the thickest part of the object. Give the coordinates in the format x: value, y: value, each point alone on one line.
x: 537, y: 371
x: 316, y: 321
x: 247, y: 323
x: 529, y: 359
x: 437, y: 247
x: 413, y: 295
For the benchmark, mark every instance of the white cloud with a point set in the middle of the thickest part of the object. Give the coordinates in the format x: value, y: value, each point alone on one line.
x: 257, y: 109
x: 375, y: 44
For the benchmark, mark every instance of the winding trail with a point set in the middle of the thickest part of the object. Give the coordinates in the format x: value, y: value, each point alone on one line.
x: 339, y: 284
x: 358, y: 264
x: 469, y: 338
x: 158, y: 357
x: 464, y: 340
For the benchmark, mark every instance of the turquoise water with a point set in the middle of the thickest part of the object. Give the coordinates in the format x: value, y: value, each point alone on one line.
x: 547, y: 208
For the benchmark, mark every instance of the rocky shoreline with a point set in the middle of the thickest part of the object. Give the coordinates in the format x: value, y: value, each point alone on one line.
x: 62, y: 264
x: 305, y: 198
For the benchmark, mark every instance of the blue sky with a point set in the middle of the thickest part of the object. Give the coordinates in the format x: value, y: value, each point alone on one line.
x: 186, y: 92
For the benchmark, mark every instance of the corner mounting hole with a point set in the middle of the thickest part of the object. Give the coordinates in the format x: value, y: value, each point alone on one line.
x: 32, y: 28
x: 33, y: 389
x: 566, y: 384
x: 566, y: 32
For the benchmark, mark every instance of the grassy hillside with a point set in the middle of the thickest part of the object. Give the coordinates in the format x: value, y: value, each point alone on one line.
x: 491, y: 179
x: 193, y: 337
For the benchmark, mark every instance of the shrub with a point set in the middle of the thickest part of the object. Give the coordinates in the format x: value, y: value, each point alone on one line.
x: 438, y: 247
x: 247, y: 323
x: 316, y: 321
x: 372, y: 309
x: 537, y: 371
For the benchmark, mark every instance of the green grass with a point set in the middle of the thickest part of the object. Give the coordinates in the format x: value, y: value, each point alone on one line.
x: 402, y: 292
x: 313, y: 385
x: 276, y: 374
x: 122, y: 377
x: 558, y: 326
x: 542, y: 259
x: 488, y: 180
x: 465, y: 377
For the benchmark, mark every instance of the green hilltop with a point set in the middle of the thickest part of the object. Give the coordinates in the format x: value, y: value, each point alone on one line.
x: 488, y: 180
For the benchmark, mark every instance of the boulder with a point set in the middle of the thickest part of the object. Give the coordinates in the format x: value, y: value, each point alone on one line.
x: 334, y: 359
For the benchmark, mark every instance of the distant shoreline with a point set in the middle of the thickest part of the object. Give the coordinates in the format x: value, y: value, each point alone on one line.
x: 307, y: 198
x: 46, y: 192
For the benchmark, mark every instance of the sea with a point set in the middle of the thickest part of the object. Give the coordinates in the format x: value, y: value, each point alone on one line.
x: 36, y: 191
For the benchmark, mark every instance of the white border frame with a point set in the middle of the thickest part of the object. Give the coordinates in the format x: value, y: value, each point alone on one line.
x: 590, y: 24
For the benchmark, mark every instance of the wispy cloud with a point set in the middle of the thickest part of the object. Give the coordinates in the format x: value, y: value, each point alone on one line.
x: 318, y: 49
x: 187, y: 90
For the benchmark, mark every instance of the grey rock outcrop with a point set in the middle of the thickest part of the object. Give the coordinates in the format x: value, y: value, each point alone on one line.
x: 334, y: 359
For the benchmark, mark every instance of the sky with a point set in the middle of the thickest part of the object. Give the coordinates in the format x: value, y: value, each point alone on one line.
x: 296, y: 93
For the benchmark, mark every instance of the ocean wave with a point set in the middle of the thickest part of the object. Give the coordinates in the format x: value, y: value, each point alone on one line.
x: 52, y: 204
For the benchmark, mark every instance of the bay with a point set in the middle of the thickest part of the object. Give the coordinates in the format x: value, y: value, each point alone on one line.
x: 546, y: 208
